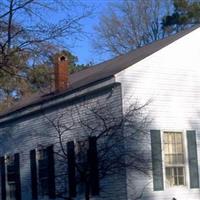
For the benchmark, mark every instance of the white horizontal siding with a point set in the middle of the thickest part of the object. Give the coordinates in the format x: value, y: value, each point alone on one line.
x: 170, y: 80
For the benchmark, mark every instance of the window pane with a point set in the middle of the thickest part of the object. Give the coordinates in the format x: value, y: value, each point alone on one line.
x: 179, y: 148
x: 167, y: 159
x: 180, y: 171
x: 169, y: 176
x: 172, y: 138
x: 180, y: 159
x: 43, y: 171
x: 181, y: 181
x: 172, y: 178
x: 176, y: 181
x: 43, y: 187
x: 166, y: 138
x: 167, y: 172
x: 12, y: 189
x: 179, y: 138
x: 166, y: 148
x: 174, y: 158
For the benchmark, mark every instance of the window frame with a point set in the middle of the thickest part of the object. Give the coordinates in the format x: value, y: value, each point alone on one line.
x: 187, y: 178
x: 12, y: 191
x: 41, y: 193
x: 9, y: 161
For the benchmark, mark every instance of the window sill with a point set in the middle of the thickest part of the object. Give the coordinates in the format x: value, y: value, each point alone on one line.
x: 182, y: 188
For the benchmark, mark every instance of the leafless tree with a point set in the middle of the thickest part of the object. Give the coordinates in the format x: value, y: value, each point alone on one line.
x: 31, y: 32
x: 118, y: 136
x: 127, y: 25
x: 26, y: 31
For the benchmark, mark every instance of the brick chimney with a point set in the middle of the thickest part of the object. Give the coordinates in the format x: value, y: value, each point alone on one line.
x: 61, y: 73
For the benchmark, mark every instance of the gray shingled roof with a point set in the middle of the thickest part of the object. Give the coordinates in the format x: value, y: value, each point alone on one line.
x: 101, y: 71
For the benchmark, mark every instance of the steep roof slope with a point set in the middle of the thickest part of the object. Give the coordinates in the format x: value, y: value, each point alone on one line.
x: 117, y: 64
x: 103, y: 70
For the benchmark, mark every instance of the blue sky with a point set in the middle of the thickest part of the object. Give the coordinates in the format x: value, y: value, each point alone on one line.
x: 83, y: 49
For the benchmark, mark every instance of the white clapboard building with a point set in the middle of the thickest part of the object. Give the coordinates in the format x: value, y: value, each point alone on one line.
x: 165, y: 73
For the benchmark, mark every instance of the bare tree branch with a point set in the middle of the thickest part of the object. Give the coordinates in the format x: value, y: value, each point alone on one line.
x: 115, y: 133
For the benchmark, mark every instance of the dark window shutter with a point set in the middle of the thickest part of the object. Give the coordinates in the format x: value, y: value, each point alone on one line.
x: 51, y: 172
x: 71, y: 169
x: 93, y: 165
x: 156, y: 152
x: 3, y: 178
x: 17, y: 176
x: 11, y: 173
x: 33, y: 166
x: 193, y: 161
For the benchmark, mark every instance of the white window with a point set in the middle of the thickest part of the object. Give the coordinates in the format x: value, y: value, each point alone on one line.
x: 174, y: 158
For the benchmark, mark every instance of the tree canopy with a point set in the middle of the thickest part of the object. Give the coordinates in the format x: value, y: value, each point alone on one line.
x: 127, y: 25
x: 38, y: 77
x: 185, y: 14
x: 28, y: 41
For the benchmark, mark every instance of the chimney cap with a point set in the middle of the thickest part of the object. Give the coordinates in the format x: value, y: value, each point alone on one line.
x: 62, y: 58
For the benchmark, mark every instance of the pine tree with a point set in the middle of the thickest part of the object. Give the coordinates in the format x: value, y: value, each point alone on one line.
x: 186, y: 13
